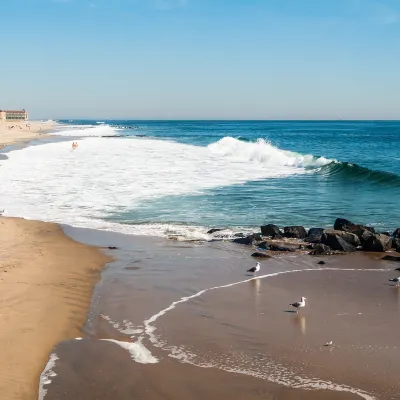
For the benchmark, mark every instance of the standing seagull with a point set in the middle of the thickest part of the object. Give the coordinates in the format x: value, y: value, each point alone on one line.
x: 299, y: 304
x: 395, y: 280
x: 254, y: 269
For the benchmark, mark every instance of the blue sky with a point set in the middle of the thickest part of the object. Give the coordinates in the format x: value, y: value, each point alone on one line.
x: 201, y: 59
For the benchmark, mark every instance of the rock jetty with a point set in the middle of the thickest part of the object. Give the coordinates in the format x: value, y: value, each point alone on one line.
x: 345, y: 237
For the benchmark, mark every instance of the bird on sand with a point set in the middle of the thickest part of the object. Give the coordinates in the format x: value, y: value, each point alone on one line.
x: 299, y: 304
x: 397, y: 269
x: 395, y: 280
x: 254, y: 269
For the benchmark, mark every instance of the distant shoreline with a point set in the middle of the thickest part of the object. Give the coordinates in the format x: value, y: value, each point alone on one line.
x: 13, y: 132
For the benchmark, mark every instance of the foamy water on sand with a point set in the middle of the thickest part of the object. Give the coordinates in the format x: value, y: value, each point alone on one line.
x: 260, y: 367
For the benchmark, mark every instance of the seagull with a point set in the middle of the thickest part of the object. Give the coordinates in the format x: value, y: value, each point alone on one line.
x: 395, y: 280
x: 299, y: 304
x: 328, y: 343
x: 254, y: 269
x: 397, y: 269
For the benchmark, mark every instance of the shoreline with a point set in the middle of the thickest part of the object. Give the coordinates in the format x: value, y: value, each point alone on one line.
x: 44, y: 245
x: 220, y: 326
x: 47, y: 280
x: 22, y: 132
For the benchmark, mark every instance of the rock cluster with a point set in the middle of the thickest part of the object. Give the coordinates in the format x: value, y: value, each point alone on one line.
x: 345, y: 237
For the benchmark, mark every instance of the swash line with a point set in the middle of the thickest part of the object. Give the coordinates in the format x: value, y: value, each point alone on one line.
x: 304, y: 383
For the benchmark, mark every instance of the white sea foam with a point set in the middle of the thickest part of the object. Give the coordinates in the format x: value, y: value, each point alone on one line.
x: 265, y: 153
x: 139, y: 353
x: 84, y: 131
x: 112, y: 175
x: 126, y: 327
x: 46, y: 375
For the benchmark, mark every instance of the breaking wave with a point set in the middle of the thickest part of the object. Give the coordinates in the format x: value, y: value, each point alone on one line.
x: 264, y: 152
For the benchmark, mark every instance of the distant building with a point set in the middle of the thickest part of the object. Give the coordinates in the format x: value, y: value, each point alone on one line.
x: 13, y: 115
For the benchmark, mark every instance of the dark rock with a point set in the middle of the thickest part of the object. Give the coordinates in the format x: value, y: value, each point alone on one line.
x: 375, y: 242
x: 321, y: 262
x: 331, y: 239
x: 314, y: 235
x: 360, y: 229
x: 396, y: 233
x: 341, y: 224
x: 213, y: 230
x: 239, y: 234
x: 113, y: 248
x: 257, y: 254
x: 256, y: 236
x: 297, y: 232
x: 271, y: 231
x: 386, y: 233
x: 395, y: 243
x: 320, y: 249
x: 347, y: 236
x: 245, y: 240
x: 391, y: 258
x: 275, y: 247
x: 398, y: 250
x: 347, y: 226
x: 263, y: 245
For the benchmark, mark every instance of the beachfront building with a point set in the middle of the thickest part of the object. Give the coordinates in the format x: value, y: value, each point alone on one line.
x: 13, y: 115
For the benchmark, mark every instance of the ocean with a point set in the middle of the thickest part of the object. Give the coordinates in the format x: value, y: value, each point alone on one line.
x: 183, y: 319
x: 181, y: 178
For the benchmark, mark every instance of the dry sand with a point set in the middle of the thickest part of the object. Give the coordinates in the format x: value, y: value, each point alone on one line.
x: 22, y: 131
x: 46, y: 283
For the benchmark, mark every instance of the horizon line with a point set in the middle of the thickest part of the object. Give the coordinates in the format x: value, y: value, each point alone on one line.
x: 221, y: 119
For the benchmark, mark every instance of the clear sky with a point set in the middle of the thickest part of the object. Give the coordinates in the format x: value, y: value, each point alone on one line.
x: 201, y: 59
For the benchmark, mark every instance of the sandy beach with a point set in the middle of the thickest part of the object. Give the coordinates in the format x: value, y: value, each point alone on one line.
x: 180, y: 319
x: 46, y: 286
x: 12, y: 132
x: 240, y: 341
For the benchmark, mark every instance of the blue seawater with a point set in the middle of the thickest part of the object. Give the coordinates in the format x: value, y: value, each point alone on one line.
x: 361, y: 183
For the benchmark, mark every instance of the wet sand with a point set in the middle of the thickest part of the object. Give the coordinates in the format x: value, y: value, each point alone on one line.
x: 237, y: 342
x: 101, y: 371
x: 46, y: 283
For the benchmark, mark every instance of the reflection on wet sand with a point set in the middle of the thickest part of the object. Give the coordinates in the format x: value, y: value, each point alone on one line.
x: 299, y: 321
x: 255, y: 288
x: 396, y: 294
